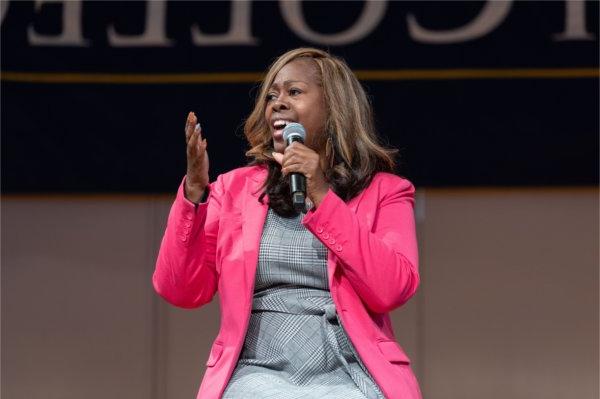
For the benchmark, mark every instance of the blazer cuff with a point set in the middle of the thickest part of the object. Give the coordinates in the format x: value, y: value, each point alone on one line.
x: 187, y: 217
x: 321, y: 222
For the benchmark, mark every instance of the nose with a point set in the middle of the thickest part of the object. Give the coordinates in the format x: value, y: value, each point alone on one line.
x: 280, y: 104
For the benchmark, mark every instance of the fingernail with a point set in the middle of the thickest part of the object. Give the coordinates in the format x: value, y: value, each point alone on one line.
x: 197, y: 128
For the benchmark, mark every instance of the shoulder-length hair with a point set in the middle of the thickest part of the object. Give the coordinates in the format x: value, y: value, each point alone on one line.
x: 352, y: 149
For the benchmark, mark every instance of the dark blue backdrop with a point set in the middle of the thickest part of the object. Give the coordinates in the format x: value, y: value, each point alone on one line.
x: 115, y: 137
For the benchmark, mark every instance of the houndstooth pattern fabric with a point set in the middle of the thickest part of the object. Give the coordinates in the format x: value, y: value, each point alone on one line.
x: 295, y: 346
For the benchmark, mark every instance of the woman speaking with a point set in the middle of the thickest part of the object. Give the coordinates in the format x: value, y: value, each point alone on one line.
x: 305, y: 293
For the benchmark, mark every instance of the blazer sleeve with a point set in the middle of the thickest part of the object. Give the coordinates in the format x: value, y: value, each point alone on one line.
x: 380, y: 262
x: 185, y: 273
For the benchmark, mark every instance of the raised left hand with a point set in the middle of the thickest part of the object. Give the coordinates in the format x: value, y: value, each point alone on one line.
x: 299, y: 158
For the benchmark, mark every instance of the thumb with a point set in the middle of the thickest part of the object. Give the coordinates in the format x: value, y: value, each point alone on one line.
x: 278, y: 157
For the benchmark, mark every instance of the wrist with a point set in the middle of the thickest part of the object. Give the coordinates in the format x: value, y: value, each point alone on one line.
x: 194, y: 192
x: 318, y: 196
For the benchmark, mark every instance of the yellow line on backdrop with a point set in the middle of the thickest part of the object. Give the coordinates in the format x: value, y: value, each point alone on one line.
x: 252, y: 77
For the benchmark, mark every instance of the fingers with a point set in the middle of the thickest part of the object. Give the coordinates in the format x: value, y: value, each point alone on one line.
x: 296, y: 149
x: 296, y: 167
x: 296, y: 152
x: 296, y: 146
x: 196, y: 145
x: 192, y: 139
x: 189, y: 125
x: 201, y: 143
x: 299, y: 158
x: 286, y: 156
x: 278, y: 157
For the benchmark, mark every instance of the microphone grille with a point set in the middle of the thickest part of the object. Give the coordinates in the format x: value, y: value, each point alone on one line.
x: 294, y: 129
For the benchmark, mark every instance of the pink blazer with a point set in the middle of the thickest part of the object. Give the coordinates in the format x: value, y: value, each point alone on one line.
x: 372, y: 267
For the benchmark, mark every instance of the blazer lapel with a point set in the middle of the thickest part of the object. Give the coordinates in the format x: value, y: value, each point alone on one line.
x: 255, y: 214
x: 331, y: 258
x: 253, y: 222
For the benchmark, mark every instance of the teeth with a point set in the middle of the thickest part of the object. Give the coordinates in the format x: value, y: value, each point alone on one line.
x: 278, y: 124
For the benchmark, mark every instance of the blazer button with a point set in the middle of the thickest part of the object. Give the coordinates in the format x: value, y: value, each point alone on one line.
x: 184, y: 238
x: 332, y: 241
x: 189, y: 216
x: 338, y: 248
x: 188, y: 224
x: 325, y: 235
x: 319, y: 229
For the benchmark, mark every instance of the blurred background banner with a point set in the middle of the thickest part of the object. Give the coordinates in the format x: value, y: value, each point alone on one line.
x: 95, y: 94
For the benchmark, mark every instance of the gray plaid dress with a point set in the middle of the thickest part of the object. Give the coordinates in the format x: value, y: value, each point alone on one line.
x: 295, y: 346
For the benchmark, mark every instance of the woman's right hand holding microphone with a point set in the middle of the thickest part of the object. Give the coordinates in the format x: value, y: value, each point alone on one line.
x: 197, y: 160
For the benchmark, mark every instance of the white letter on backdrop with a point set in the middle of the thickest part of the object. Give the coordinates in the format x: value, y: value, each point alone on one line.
x: 372, y: 13
x: 239, y: 32
x: 3, y: 9
x: 154, y: 35
x: 490, y: 17
x: 574, y: 22
x: 71, y: 27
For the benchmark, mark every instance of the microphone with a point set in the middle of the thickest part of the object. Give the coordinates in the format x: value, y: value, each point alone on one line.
x: 295, y: 132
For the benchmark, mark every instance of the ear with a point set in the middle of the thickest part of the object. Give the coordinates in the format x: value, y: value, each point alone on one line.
x: 278, y: 157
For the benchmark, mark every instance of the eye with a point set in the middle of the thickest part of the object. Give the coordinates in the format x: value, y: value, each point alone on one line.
x: 294, y: 91
x: 271, y: 96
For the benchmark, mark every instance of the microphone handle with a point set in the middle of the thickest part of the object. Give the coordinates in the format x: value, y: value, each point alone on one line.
x: 297, y: 184
x: 298, y: 190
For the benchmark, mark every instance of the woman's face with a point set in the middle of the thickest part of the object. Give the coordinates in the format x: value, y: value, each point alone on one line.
x: 296, y: 96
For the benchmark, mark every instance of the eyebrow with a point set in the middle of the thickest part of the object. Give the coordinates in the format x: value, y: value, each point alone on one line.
x: 287, y: 82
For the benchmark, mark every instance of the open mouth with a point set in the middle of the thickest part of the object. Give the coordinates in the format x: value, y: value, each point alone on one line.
x: 278, y: 126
